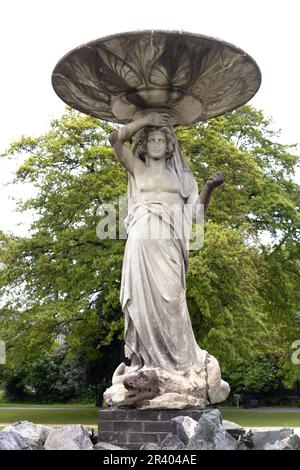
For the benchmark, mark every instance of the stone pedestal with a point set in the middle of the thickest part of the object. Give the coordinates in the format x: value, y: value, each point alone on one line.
x: 130, y: 428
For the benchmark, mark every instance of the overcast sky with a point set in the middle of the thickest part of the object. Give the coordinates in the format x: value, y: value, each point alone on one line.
x: 36, y: 34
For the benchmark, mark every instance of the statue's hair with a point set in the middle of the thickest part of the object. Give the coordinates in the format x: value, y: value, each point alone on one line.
x: 140, y: 145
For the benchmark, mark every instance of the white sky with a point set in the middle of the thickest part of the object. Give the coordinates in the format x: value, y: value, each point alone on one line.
x: 34, y: 35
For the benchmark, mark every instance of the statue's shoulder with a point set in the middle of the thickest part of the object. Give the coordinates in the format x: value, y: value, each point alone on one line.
x: 190, y: 184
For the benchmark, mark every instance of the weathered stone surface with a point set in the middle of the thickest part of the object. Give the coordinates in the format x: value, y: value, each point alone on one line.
x: 263, y: 436
x: 184, y: 428
x: 194, y: 76
x: 73, y: 437
x: 211, y: 435
x: 106, y: 446
x: 140, y: 386
x: 234, y: 429
x: 230, y: 425
x: 33, y: 434
x: 290, y: 443
x: 172, y: 401
x: 173, y: 391
x: 172, y: 442
x: 150, y: 446
x: 10, y: 440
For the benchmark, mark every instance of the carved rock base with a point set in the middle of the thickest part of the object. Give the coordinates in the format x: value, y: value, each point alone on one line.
x: 157, y: 389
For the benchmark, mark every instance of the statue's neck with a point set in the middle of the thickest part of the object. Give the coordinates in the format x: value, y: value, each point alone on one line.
x: 157, y: 165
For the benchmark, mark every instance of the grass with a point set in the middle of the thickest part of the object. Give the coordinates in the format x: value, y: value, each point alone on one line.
x: 63, y: 416
x: 258, y: 419
x: 56, y: 405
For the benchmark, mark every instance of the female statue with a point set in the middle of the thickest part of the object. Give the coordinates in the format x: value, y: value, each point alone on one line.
x: 167, y: 367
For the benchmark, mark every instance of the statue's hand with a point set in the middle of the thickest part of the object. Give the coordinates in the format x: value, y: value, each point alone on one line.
x: 157, y: 119
x: 215, y: 180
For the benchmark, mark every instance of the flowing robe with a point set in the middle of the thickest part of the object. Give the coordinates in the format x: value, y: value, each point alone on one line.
x: 158, y: 330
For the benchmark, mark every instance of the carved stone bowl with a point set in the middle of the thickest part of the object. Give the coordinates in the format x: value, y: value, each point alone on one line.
x: 190, y: 76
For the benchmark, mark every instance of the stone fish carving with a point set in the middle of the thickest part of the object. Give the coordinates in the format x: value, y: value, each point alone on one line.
x: 140, y: 386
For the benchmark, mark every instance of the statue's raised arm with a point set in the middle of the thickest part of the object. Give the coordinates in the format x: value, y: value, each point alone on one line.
x: 125, y: 133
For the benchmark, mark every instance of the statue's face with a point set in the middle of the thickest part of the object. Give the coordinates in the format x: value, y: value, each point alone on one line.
x: 156, y: 145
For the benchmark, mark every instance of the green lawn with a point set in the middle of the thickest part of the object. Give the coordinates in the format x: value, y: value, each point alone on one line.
x: 50, y: 416
x: 56, y: 405
x: 263, y: 418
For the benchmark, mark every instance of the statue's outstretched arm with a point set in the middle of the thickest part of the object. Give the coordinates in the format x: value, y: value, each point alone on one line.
x: 212, y: 183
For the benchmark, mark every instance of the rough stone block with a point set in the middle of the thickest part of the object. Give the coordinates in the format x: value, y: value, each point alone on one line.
x: 234, y: 429
x: 172, y: 442
x: 150, y: 446
x: 263, y: 436
x: 183, y: 427
x: 290, y: 443
x: 211, y: 435
x: 10, y: 440
x: 73, y: 437
x: 34, y: 435
x: 107, y: 446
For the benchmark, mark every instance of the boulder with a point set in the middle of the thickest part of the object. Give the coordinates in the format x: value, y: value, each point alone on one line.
x: 261, y: 437
x: 73, y: 437
x: 150, y: 446
x: 107, y: 446
x: 10, y: 440
x: 289, y: 443
x: 211, y: 435
x: 235, y: 430
x: 183, y: 427
x: 34, y: 435
x: 172, y: 442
